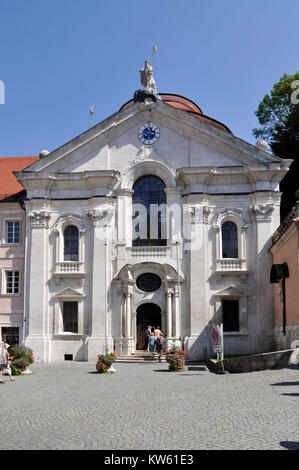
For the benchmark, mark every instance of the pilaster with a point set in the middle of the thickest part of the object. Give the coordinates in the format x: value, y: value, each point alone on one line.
x: 262, y: 218
x: 100, y: 340
x: 36, y: 289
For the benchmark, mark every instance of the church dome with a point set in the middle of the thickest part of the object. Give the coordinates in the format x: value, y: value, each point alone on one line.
x: 180, y: 102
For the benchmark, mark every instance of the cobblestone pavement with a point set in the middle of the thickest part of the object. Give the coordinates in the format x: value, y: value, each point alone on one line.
x: 143, y: 406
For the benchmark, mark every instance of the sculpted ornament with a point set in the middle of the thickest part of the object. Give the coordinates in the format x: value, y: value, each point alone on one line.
x: 40, y: 219
x: 102, y: 217
x: 262, y: 212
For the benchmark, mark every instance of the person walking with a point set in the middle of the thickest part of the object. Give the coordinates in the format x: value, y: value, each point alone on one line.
x: 3, y: 360
x: 8, y: 369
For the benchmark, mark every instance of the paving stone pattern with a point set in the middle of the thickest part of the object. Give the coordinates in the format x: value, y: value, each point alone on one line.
x: 143, y: 406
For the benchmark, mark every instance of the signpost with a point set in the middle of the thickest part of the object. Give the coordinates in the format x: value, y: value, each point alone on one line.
x: 217, y: 339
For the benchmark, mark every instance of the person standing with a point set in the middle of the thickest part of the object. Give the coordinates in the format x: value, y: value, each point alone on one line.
x: 160, y: 343
x: 157, y: 332
x: 152, y: 342
x: 147, y: 336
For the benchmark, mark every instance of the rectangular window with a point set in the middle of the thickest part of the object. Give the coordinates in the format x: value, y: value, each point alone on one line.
x: 230, y: 311
x: 12, y: 282
x: 70, y: 317
x: 12, y: 231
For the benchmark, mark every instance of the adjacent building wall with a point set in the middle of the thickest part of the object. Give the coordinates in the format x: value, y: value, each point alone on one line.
x: 11, y: 258
x: 286, y: 250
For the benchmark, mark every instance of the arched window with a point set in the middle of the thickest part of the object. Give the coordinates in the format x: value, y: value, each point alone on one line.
x: 149, y: 212
x: 71, y: 238
x: 229, y: 240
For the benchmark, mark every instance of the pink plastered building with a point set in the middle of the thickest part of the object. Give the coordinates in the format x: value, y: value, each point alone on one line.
x: 12, y: 250
x: 285, y: 278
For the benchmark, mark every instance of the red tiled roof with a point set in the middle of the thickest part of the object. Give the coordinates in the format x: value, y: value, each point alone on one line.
x: 9, y: 186
x: 178, y: 101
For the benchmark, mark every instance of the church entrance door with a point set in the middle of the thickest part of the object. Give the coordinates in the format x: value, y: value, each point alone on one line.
x: 146, y: 314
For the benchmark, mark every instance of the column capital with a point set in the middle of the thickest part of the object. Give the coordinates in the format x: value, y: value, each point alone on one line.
x: 124, y: 192
x: 40, y: 219
x: 176, y: 291
x: 174, y: 191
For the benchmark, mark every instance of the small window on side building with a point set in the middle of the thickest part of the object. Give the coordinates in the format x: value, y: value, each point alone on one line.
x: 12, y: 231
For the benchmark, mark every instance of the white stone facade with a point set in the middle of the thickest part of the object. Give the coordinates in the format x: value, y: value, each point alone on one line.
x: 210, y: 176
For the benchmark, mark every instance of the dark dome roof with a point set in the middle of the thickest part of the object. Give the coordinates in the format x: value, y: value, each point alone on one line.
x: 187, y: 105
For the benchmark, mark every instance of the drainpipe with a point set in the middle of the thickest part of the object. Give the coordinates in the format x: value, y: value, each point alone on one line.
x: 284, y: 309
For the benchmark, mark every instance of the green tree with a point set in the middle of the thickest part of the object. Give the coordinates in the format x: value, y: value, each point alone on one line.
x: 278, y: 115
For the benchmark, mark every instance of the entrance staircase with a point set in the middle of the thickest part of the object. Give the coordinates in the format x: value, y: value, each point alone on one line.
x: 143, y: 356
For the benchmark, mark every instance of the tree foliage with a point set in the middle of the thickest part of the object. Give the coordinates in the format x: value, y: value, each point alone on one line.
x: 278, y: 115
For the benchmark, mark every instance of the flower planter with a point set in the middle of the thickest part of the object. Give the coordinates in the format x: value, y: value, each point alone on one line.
x: 21, y: 358
x: 105, y: 362
x: 176, y: 359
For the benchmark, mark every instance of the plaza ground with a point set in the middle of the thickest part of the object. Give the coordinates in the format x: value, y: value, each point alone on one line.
x: 143, y: 406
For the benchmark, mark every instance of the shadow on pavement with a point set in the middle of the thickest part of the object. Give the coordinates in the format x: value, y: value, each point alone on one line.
x: 285, y: 383
x: 290, y: 445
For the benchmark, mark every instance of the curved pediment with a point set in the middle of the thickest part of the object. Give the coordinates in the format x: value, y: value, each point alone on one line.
x: 167, y: 272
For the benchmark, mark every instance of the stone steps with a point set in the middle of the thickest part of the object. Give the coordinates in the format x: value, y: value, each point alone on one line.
x: 142, y: 356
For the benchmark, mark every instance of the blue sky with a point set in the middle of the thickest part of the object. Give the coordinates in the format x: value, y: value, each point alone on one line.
x: 59, y: 57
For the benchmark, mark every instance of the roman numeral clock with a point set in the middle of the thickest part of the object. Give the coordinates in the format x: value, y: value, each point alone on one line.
x: 148, y: 133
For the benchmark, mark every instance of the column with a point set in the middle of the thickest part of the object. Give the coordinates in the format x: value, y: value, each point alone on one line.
x: 120, y: 309
x: 128, y: 341
x: 128, y: 315
x: 176, y: 317
x: 169, y: 319
x: 169, y: 314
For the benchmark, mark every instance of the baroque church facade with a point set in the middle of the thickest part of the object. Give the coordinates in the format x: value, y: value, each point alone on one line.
x: 157, y: 215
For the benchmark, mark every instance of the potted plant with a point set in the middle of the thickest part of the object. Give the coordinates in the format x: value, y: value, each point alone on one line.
x: 104, y: 363
x: 176, y: 359
x: 21, y: 358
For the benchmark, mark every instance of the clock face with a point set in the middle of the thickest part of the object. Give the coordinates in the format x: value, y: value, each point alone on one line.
x: 148, y: 133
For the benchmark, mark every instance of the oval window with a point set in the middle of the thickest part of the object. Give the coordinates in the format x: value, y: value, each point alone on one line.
x: 148, y: 282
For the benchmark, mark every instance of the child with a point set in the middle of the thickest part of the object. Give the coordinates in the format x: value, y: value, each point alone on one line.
x: 152, y: 342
